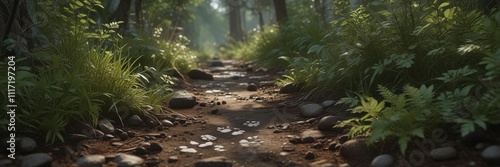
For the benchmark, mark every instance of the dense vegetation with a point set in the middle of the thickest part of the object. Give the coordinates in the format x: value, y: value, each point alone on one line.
x: 84, y: 68
x: 407, y: 66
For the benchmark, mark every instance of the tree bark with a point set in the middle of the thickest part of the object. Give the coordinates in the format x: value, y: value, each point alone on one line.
x: 139, y: 18
x: 280, y: 10
x: 235, y: 24
x: 122, y: 14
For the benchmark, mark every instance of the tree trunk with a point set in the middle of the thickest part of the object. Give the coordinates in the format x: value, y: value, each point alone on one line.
x: 261, y: 20
x: 235, y: 27
x: 122, y: 14
x: 138, y: 15
x: 280, y: 10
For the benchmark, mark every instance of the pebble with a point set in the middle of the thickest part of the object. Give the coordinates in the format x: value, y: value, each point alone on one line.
x: 326, y: 123
x: 134, y: 120
x: 36, y: 160
x: 140, y: 151
x: 106, y: 126
x: 288, y: 148
x: 309, y: 155
x: 156, y: 147
x: 384, y: 160
x: 167, y: 123
x: 294, y: 139
x: 252, y: 87
x: 444, y: 153
x: 123, y: 136
x: 173, y: 159
x: 492, y: 154
x: 308, y: 139
x: 126, y: 160
x: 91, y: 161
x: 27, y: 145
x: 328, y: 103
x: 311, y: 110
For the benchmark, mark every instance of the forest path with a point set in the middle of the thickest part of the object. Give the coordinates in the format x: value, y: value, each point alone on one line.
x: 260, y: 122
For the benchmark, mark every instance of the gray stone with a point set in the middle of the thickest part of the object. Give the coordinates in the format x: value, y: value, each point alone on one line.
x: 444, y: 153
x: 134, y: 120
x: 312, y: 133
x: 310, y: 155
x: 173, y: 159
x: 156, y: 147
x: 27, y: 145
x: 216, y: 63
x: 384, y: 160
x: 288, y: 148
x: 200, y: 74
x: 141, y: 150
x: 294, y: 139
x: 492, y: 154
x: 123, y: 136
x: 167, y: 123
x: 91, y: 160
x: 252, y: 87
x: 182, y: 99
x: 326, y: 123
x: 126, y: 160
x: 356, y: 152
x: 308, y: 139
x: 106, y: 126
x: 311, y: 110
x: 220, y: 161
x: 36, y: 160
x: 328, y: 103
x: 98, y: 134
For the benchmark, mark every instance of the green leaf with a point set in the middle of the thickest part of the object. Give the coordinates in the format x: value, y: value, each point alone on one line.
x: 444, y: 4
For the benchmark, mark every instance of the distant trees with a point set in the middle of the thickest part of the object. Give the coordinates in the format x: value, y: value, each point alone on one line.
x: 235, y: 25
x: 280, y: 9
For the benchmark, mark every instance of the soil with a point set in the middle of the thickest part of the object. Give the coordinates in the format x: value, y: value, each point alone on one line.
x: 237, y: 106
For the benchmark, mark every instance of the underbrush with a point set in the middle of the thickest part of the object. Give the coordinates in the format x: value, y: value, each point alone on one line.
x: 86, y: 71
x: 412, y: 64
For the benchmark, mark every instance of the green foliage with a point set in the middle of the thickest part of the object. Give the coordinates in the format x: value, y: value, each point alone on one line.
x: 399, y: 116
x: 86, y: 70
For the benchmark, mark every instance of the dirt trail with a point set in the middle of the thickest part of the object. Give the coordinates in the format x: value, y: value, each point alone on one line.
x: 238, y: 108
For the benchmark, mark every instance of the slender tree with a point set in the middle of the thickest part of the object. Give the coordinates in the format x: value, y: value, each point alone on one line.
x: 235, y: 24
x: 122, y: 14
x: 280, y: 9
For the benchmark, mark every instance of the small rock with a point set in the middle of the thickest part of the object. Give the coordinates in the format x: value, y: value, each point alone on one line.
x: 312, y: 133
x: 224, y: 102
x: 27, y: 145
x: 215, y: 112
x: 444, y: 153
x: 216, y: 63
x: 220, y: 161
x: 98, y: 134
x: 106, y: 126
x: 108, y: 136
x: 326, y: 123
x: 116, y: 144
x: 156, y: 147
x: 310, y: 155
x: 356, y: 152
x: 384, y: 160
x: 328, y: 103
x: 91, y: 160
x: 36, y: 160
x: 134, y: 120
x: 492, y: 155
x: 126, y: 160
x: 311, y: 110
x: 182, y: 100
x: 203, y: 104
x: 294, y: 139
x: 333, y: 146
x: 167, y: 123
x: 200, y: 74
x: 123, y: 136
x: 288, y: 148
x: 343, y: 138
x: 173, y: 159
x: 317, y: 145
x: 140, y: 150
x: 311, y: 120
x: 308, y: 139
x: 252, y: 87
x: 131, y: 133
